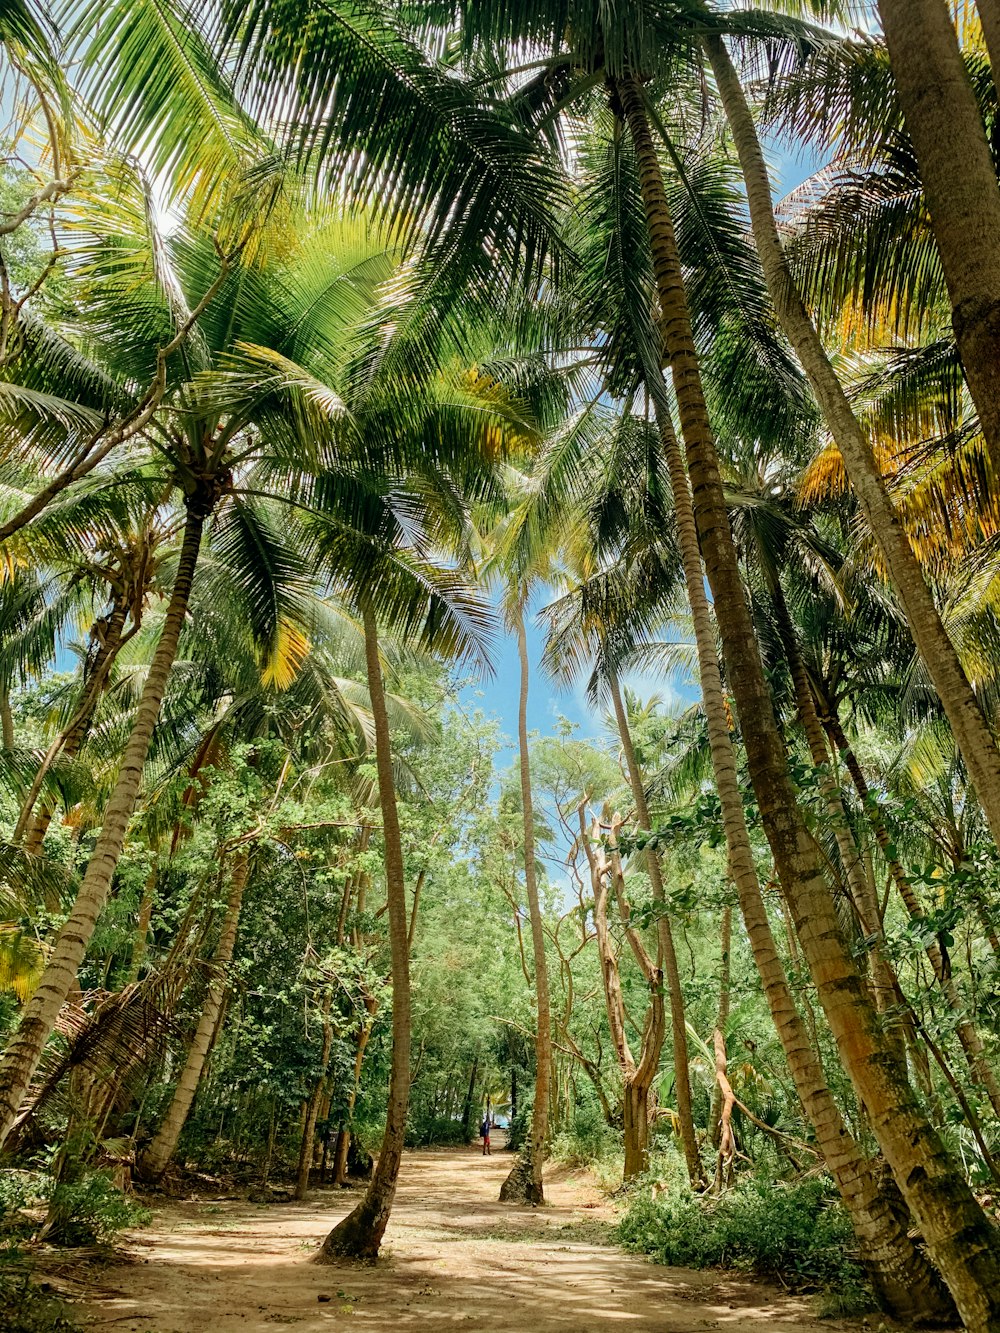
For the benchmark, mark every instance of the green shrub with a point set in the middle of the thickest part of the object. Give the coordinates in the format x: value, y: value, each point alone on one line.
x: 25, y: 1308
x: 587, y: 1139
x: 436, y: 1131
x: 798, y: 1231
x: 91, y: 1210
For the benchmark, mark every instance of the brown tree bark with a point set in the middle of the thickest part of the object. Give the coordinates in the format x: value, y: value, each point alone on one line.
x: 960, y: 184
x: 154, y: 1161
x: 24, y: 1051
x: 524, y: 1182
x: 306, y: 1146
x: 971, y: 730
x: 960, y: 1238
x: 359, y: 1234
x: 667, y: 952
x: 901, y: 1277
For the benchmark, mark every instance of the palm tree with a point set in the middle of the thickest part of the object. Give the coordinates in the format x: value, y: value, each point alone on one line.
x: 960, y: 183
x: 203, y: 444
x: 963, y: 710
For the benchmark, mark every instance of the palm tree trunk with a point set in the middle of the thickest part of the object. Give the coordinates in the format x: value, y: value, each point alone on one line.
x: 23, y: 1053
x: 524, y: 1183
x: 960, y: 186
x: 668, y: 954
x: 905, y: 1284
x: 156, y: 1158
x: 359, y: 1234
x: 108, y: 635
x: 961, y: 1240
x: 971, y: 730
x: 862, y: 894
x: 975, y: 1053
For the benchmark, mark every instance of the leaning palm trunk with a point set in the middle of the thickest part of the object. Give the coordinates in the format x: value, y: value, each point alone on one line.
x: 360, y: 1233
x: 22, y: 1055
x: 961, y: 1240
x: 524, y: 1182
x: 972, y: 733
x: 904, y: 1282
x: 668, y: 954
x: 107, y: 633
x: 965, y: 1029
x: 960, y: 185
x: 155, y: 1160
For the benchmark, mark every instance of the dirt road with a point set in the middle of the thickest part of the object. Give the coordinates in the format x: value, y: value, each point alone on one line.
x: 454, y: 1258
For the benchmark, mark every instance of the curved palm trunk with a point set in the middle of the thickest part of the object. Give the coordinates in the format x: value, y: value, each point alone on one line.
x: 965, y: 1029
x: 22, y: 1055
x: 901, y: 1277
x: 524, y: 1182
x: 961, y: 1240
x: 32, y: 826
x: 960, y: 185
x: 862, y: 894
x: 155, y: 1160
x: 360, y: 1233
x: 970, y: 728
x: 668, y: 954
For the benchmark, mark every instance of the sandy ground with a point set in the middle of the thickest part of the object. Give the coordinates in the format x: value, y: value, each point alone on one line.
x: 454, y: 1258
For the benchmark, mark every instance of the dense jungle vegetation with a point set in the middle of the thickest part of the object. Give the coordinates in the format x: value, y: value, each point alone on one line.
x: 349, y: 348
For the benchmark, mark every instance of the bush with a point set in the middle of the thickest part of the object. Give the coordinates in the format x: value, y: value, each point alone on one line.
x: 436, y: 1131
x: 91, y: 1210
x: 25, y: 1308
x: 798, y: 1231
x: 587, y: 1140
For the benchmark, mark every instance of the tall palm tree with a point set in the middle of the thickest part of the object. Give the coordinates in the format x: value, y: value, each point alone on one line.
x: 964, y: 713
x: 203, y: 444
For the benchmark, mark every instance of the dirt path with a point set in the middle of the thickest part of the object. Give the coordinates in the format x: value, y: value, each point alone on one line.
x: 454, y: 1258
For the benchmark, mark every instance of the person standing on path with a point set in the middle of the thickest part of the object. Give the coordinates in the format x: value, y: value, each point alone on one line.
x: 484, y: 1131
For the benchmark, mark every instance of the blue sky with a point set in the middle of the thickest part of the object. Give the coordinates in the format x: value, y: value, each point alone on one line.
x: 498, y: 695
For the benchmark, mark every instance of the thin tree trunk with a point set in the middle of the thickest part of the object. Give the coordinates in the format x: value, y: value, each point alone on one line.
x: 903, y: 1281
x: 469, y: 1099
x: 960, y: 185
x: 360, y: 1233
x: 312, y: 1111
x: 960, y: 1238
x: 6, y: 720
x: 154, y: 1161
x: 637, y: 1076
x: 524, y: 1182
x: 975, y: 1053
x: 971, y: 730
x: 721, y: 1019
x: 24, y: 1051
x: 108, y: 634
x: 682, y: 1076
x: 140, y: 941
x: 861, y: 892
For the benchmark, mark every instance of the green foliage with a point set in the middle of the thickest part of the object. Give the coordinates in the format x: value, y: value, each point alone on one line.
x: 27, y: 1308
x: 766, y: 1226
x: 92, y: 1210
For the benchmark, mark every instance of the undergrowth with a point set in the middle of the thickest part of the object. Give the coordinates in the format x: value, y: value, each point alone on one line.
x: 797, y: 1232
